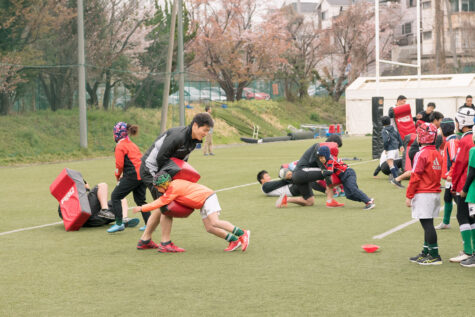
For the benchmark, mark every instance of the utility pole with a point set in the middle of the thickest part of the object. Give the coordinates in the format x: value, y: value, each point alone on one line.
x: 168, y: 71
x: 181, y: 66
x: 81, y: 78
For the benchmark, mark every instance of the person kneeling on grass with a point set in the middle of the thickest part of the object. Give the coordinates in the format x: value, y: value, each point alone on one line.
x: 423, y: 192
x: 347, y: 177
x: 195, y: 196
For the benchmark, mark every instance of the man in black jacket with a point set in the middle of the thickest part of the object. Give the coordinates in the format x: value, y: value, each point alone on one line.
x: 175, y: 142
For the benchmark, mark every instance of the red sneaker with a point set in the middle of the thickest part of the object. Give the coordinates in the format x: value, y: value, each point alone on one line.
x: 281, y: 202
x: 177, y: 249
x: 334, y: 204
x: 144, y: 246
x: 233, y: 245
x: 245, y: 238
x: 169, y: 248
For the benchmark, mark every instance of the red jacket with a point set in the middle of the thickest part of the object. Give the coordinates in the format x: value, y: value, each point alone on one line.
x: 426, y: 172
x: 336, y: 166
x: 459, y: 169
x: 127, y: 159
x: 448, y: 154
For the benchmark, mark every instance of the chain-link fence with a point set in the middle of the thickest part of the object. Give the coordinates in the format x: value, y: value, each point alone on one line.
x: 55, y: 87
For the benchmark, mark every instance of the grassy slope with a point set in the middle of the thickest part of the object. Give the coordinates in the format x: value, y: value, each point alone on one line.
x: 47, y: 136
x: 302, y: 261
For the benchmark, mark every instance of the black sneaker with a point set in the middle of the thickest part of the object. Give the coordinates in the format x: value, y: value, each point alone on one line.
x: 417, y: 258
x: 429, y: 260
x: 106, y: 214
x: 396, y: 183
x: 470, y: 262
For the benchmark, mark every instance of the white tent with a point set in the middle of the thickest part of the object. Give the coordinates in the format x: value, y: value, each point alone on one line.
x: 448, y: 92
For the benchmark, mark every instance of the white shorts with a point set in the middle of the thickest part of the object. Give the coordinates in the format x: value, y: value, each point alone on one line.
x: 392, y: 155
x: 210, y: 206
x: 425, y: 205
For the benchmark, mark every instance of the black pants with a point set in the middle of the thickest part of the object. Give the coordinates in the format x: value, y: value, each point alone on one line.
x: 352, y: 192
x: 448, y: 196
x: 303, y: 179
x: 463, y: 215
x: 430, y: 236
x: 123, y: 188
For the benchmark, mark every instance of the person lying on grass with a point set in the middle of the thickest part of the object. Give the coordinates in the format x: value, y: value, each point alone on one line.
x: 195, y: 196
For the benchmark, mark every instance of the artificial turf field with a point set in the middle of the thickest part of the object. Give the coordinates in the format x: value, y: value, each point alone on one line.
x: 301, y: 260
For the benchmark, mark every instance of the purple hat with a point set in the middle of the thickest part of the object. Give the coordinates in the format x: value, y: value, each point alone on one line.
x: 120, y: 131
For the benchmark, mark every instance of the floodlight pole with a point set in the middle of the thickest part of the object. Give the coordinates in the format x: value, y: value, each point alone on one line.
x: 181, y: 66
x: 81, y: 78
x: 166, y: 88
x: 418, y: 19
x: 376, y: 40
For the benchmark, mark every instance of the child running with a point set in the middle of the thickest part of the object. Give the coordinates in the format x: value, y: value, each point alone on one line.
x: 423, y: 192
x: 195, y: 196
x: 347, y: 177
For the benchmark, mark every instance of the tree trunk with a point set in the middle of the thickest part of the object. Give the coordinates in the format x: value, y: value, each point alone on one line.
x: 107, y: 91
x: 303, y: 89
x: 240, y: 88
x: 5, y: 104
x: 228, y: 88
x: 453, y: 47
x: 439, y: 38
x: 92, y: 91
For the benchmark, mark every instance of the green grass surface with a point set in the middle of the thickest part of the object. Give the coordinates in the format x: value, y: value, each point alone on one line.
x: 47, y: 136
x: 301, y: 261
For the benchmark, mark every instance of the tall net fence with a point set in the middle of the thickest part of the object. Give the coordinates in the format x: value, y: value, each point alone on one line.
x: 55, y: 87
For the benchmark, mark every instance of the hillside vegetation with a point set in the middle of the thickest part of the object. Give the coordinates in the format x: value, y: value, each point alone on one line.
x: 47, y: 136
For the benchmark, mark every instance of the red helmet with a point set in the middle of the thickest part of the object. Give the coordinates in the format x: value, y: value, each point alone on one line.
x: 426, y: 133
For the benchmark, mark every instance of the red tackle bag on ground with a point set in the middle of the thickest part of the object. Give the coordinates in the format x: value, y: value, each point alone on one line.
x: 69, y: 189
x: 404, y: 122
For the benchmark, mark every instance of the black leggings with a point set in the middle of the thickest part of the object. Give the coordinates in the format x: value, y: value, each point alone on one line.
x: 123, y: 188
x: 463, y: 215
x: 430, y: 236
x: 448, y: 196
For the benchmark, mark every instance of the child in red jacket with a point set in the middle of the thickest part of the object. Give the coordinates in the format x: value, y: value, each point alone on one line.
x: 464, y: 123
x: 195, y: 196
x: 127, y: 173
x: 448, y: 155
x: 423, y: 192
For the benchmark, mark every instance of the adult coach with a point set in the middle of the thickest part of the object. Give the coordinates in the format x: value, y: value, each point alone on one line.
x: 208, y: 142
x: 175, y: 142
x: 308, y: 170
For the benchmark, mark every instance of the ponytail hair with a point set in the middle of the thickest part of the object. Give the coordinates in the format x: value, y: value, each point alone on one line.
x: 132, y: 129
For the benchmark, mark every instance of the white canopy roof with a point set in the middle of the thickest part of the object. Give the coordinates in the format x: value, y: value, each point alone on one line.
x: 448, y: 92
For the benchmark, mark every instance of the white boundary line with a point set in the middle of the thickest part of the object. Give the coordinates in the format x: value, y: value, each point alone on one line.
x: 30, y: 228
x: 219, y: 190
x: 387, y: 233
x: 402, y: 226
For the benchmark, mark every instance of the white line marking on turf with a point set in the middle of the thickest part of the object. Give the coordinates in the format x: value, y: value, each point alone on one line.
x: 219, y: 190
x: 234, y: 187
x: 387, y: 233
x: 30, y: 228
